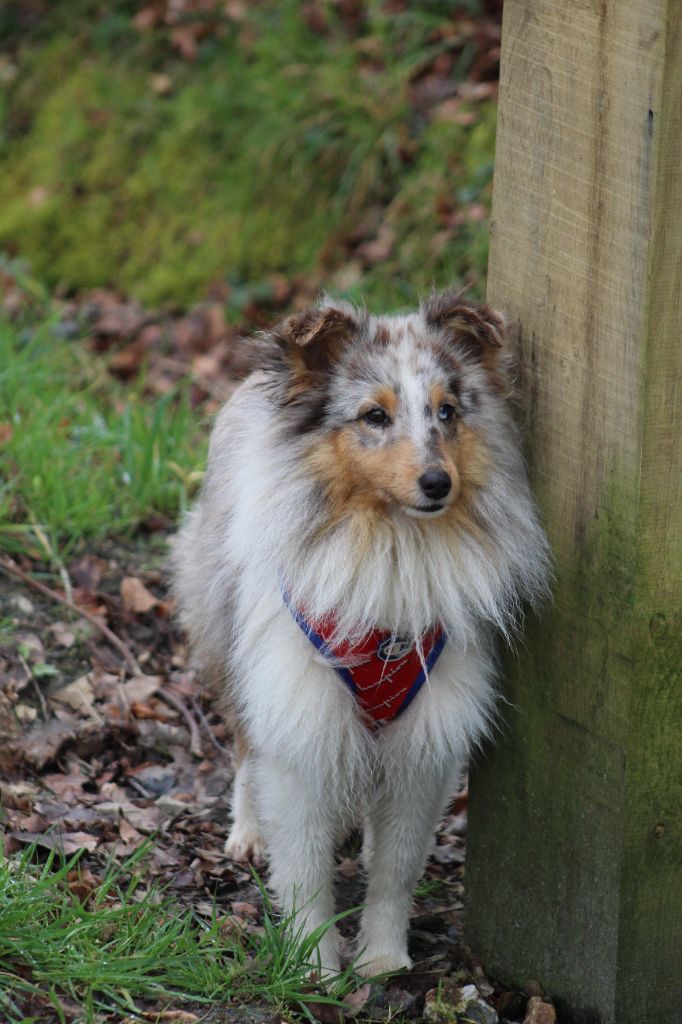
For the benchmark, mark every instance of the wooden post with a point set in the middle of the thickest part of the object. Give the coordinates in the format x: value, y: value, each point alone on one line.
x: 574, y: 865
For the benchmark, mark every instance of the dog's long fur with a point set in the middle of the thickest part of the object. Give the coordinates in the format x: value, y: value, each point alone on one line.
x: 302, y: 488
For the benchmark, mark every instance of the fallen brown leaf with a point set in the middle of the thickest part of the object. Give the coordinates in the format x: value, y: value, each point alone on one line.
x: 244, y: 909
x: 26, y: 822
x: 41, y: 744
x: 145, y: 711
x: 355, y: 1001
x: 325, y: 1013
x: 135, y: 596
x: 86, y: 572
x: 128, y: 833
x: 18, y: 794
x: 78, y: 695
x: 82, y: 884
x: 89, y: 604
x: 67, y: 786
x: 80, y: 890
x: 138, y: 689
x: 64, y: 842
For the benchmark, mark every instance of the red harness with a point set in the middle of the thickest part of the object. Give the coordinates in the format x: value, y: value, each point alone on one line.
x: 383, y: 671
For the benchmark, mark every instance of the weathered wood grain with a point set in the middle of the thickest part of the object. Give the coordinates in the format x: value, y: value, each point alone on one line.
x: 575, y: 847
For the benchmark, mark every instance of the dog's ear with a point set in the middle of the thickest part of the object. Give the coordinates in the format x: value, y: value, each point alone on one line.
x: 477, y: 329
x: 316, y: 337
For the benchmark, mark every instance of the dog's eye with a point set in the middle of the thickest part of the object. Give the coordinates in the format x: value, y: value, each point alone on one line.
x: 376, y: 417
x: 446, y: 412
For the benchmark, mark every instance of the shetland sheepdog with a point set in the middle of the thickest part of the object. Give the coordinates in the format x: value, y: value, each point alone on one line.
x: 364, y: 531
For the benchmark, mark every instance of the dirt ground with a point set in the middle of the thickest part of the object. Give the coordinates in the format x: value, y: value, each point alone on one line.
x: 108, y: 739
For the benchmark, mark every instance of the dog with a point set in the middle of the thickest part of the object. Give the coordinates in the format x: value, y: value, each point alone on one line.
x: 364, y: 531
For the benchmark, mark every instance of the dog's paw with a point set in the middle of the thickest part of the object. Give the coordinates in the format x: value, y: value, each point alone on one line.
x: 372, y: 964
x: 244, y: 845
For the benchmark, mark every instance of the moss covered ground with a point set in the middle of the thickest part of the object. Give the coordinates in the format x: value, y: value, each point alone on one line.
x: 292, y: 128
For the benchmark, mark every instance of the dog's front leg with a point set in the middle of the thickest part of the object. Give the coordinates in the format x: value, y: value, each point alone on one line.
x: 301, y: 828
x: 402, y: 820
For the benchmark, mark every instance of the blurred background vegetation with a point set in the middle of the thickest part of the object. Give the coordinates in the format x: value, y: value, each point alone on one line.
x: 175, y: 172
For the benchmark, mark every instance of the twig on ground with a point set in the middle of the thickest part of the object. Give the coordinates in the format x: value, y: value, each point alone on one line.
x: 41, y: 697
x: 194, y: 737
x: 66, y: 583
x: 36, y: 686
x: 206, y: 724
x: 54, y: 557
x: 10, y: 567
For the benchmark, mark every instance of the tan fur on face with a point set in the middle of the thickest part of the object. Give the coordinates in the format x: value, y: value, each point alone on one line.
x: 357, y: 479
x: 383, y: 398
x: 439, y: 396
x: 467, y: 450
x: 373, y: 481
x: 473, y: 463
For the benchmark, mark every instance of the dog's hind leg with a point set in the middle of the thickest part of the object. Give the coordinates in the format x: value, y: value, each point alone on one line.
x: 244, y: 841
x: 403, y: 820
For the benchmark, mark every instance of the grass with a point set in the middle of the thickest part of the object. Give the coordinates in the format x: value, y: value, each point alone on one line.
x: 258, y: 158
x: 430, y: 888
x: 82, y: 457
x: 122, y: 947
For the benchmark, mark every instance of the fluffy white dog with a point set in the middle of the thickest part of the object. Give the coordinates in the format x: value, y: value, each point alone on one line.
x: 364, y: 529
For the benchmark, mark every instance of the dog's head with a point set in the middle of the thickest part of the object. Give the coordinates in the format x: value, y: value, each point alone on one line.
x: 391, y: 407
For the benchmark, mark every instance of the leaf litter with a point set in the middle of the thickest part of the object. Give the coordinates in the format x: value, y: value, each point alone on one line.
x: 115, y: 757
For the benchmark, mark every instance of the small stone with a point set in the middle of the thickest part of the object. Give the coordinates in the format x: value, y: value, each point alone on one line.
x: 480, y: 1013
x: 534, y: 988
x: 539, y: 1012
x: 25, y: 713
x: 23, y: 605
x: 512, y: 1004
x: 473, y: 1009
x: 451, y: 1005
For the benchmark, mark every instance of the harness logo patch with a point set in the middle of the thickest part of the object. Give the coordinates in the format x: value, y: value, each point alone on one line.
x: 393, y: 648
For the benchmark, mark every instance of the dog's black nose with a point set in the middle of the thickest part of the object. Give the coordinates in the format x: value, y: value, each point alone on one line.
x: 435, y: 483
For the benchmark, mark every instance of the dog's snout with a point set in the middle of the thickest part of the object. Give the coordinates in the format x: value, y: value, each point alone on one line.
x: 435, y: 483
